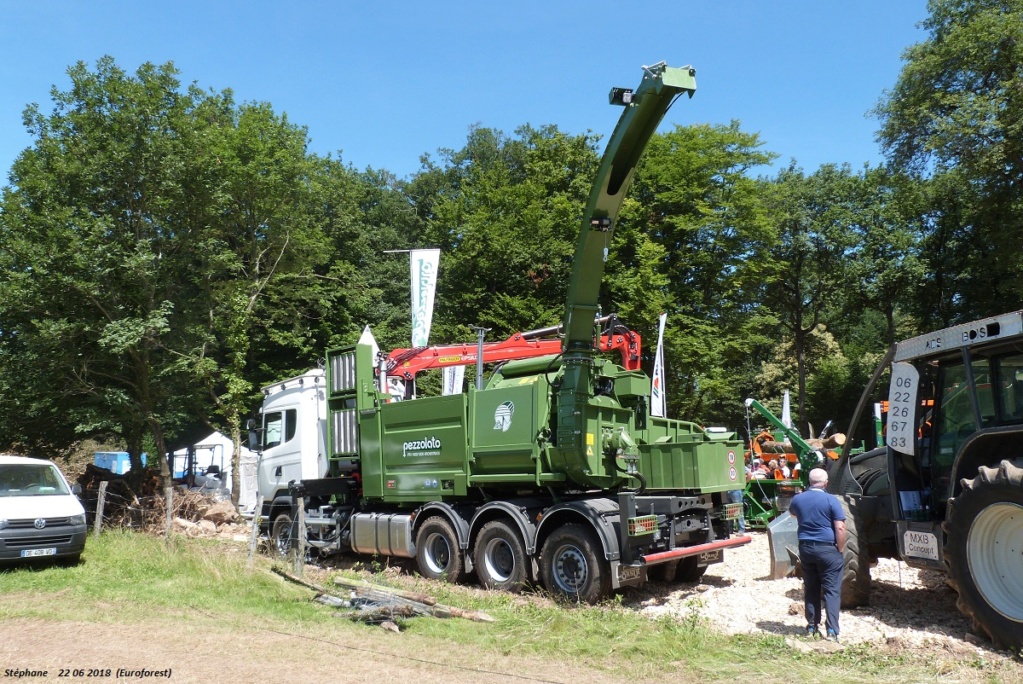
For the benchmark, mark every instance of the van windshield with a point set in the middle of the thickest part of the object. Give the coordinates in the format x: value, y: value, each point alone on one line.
x: 29, y: 479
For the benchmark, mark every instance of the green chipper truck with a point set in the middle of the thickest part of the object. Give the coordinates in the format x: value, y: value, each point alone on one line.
x: 554, y: 470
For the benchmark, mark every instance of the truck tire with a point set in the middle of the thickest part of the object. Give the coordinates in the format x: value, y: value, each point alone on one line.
x: 572, y: 565
x: 983, y: 545
x: 500, y: 557
x: 663, y: 572
x: 281, y: 536
x: 689, y: 570
x: 856, y: 569
x: 437, y: 552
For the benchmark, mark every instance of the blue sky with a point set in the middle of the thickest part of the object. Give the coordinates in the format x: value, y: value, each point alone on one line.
x: 385, y: 82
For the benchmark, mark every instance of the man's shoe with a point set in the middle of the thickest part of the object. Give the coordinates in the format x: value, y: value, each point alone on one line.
x: 832, y: 636
x: 812, y: 632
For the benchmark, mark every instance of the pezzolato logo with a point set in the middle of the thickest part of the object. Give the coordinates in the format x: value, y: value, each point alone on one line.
x: 422, y: 447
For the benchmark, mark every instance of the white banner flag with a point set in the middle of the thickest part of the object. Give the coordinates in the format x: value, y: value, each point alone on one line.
x: 454, y: 376
x: 657, y: 398
x: 424, y: 264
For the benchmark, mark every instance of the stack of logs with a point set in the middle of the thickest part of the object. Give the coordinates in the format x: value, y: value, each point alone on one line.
x: 834, y: 441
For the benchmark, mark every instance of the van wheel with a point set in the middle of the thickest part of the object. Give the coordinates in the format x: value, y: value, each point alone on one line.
x: 281, y: 537
x: 500, y: 557
x: 437, y: 553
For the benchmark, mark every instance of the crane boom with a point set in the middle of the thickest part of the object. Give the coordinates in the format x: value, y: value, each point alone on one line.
x: 644, y: 109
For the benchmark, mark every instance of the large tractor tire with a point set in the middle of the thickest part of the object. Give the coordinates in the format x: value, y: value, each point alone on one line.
x: 573, y: 566
x: 984, y: 553
x: 856, y: 569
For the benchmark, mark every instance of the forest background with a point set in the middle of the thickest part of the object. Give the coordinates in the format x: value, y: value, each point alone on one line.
x: 166, y: 251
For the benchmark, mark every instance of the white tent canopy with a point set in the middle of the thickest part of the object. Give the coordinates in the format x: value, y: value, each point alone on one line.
x: 216, y: 450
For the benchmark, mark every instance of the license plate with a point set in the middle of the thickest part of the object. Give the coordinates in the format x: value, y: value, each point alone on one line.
x: 920, y: 544
x: 708, y: 557
x: 35, y: 553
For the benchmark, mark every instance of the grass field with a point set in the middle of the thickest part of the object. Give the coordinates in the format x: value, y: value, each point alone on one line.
x: 132, y: 579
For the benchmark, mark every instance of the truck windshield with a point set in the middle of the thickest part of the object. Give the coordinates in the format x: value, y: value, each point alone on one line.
x: 31, y: 480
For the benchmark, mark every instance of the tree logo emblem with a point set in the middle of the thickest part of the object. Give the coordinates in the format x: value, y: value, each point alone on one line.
x: 503, y: 416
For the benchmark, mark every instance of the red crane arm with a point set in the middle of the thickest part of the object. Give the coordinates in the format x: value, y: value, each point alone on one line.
x: 406, y: 363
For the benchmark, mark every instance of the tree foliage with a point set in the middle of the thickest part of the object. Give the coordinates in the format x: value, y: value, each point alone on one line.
x: 165, y: 251
x: 956, y: 114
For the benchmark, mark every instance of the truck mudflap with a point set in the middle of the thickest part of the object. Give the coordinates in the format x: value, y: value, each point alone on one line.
x: 783, y: 538
x: 711, y: 552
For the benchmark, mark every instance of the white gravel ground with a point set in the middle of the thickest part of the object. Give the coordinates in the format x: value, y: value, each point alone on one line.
x: 909, y: 607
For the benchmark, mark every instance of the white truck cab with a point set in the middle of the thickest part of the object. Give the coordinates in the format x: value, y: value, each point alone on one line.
x: 293, y: 445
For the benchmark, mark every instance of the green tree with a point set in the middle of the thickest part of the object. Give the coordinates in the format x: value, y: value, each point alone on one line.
x: 700, y: 222
x: 252, y: 241
x: 886, y: 269
x: 87, y: 286
x: 160, y: 245
x: 505, y: 214
x: 815, y: 215
x: 956, y: 113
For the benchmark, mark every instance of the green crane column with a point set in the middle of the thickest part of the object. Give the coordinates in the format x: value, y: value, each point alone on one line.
x: 644, y: 109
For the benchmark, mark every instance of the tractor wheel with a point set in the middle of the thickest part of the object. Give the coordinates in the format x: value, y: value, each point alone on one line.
x: 689, y: 570
x: 573, y: 566
x: 437, y: 552
x: 856, y: 569
x: 281, y: 542
x: 500, y: 557
x: 983, y: 547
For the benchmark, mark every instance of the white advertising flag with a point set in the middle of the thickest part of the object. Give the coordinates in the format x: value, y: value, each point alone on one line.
x: 657, y: 399
x: 424, y: 264
x: 454, y: 376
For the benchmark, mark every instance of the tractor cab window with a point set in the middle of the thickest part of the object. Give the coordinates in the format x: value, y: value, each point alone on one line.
x: 1010, y: 389
x: 955, y: 415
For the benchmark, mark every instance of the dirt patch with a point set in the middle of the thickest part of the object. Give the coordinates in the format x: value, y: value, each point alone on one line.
x: 202, y: 650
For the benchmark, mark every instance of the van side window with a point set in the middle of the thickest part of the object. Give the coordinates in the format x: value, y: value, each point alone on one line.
x: 290, y: 424
x: 273, y: 424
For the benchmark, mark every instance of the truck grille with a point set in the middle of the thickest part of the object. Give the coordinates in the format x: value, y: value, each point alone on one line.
x: 344, y: 432
x: 342, y: 372
x: 33, y: 542
x: 29, y: 523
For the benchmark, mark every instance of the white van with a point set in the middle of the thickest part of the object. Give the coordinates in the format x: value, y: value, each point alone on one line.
x: 40, y: 517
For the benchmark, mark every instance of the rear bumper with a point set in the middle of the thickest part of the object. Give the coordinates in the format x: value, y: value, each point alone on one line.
x: 675, y: 554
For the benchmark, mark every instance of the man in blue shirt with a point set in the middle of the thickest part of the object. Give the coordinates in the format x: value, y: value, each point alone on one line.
x: 821, y: 541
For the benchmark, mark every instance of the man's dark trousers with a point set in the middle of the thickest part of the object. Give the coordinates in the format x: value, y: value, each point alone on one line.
x: 822, y: 570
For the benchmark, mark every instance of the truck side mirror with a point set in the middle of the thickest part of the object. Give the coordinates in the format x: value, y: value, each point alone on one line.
x: 254, y: 444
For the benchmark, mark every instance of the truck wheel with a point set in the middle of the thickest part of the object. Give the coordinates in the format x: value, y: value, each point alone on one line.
x: 983, y: 544
x: 281, y: 535
x: 573, y: 566
x: 856, y: 569
x: 663, y: 572
x: 500, y: 557
x: 689, y: 570
x: 437, y: 553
